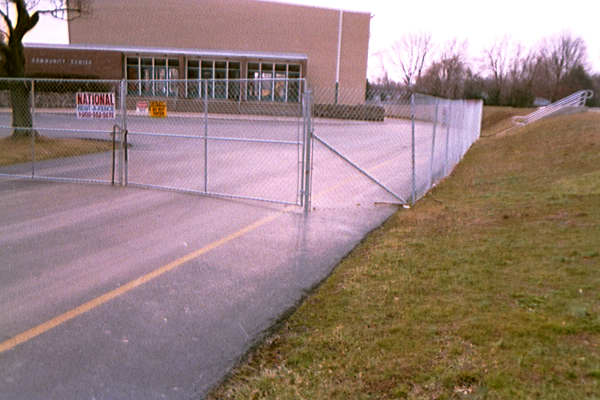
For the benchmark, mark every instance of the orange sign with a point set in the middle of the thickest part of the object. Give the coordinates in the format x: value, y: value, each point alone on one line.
x: 158, y: 109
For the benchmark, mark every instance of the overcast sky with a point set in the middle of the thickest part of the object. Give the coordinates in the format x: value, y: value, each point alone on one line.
x: 479, y: 22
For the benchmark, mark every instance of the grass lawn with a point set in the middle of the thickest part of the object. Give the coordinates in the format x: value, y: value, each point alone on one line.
x: 15, y: 151
x: 489, y: 288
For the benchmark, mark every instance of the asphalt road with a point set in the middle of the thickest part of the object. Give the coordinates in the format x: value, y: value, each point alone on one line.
x: 126, y: 293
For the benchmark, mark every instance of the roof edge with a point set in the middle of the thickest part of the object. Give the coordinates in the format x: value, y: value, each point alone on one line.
x: 171, y: 51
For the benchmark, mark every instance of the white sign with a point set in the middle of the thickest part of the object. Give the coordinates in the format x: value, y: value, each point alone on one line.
x: 95, y: 105
x: 141, y: 108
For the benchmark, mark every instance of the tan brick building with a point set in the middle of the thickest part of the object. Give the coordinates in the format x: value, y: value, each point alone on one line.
x: 214, y: 41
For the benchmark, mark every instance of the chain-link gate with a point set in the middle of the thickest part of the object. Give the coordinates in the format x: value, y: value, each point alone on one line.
x: 217, y: 147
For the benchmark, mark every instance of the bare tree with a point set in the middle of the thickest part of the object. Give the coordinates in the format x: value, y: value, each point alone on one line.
x: 410, y: 56
x: 12, y: 56
x: 562, y: 55
x: 595, y: 101
x: 523, y: 71
x: 446, y: 77
x: 497, y: 62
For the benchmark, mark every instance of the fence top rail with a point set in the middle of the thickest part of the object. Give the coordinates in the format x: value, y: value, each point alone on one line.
x: 72, y: 80
x: 59, y: 80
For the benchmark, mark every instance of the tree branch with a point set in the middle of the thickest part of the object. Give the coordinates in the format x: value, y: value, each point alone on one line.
x: 8, y: 23
x: 66, y: 9
x: 60, y: 13
x: 25, y: 22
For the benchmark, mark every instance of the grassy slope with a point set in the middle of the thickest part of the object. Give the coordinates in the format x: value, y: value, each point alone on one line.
x: 488, y: 288
x: 499, y: 119
x: 15, y: 151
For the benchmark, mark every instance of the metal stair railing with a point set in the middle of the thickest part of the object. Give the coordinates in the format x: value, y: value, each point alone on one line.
x: 577, y: 99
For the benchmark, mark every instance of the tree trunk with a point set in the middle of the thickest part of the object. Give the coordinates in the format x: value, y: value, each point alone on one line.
x: 22, y: 120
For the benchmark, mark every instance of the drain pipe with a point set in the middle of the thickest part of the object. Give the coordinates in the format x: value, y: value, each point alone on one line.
x: 339, y: 56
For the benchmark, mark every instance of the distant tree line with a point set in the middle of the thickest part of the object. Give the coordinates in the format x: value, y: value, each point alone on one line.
x: 507, y: 74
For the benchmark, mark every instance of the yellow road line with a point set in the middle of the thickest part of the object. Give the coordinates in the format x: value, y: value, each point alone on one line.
x: 90, y: 305
x: 98, y: 301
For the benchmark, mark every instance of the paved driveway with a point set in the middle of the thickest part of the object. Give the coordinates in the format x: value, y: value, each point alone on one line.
x: 125, y: 293
x: 215, y: 274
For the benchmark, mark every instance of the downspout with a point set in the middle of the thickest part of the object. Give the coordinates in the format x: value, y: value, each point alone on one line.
x: 339, y: 56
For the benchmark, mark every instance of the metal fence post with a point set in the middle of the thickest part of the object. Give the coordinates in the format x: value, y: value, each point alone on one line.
x: 114, y: 145
x: 32, y: 132
x: 123, y: 167
x: 303, y: 156
x: 479, y: 118
x: 413, y: 158
x: 435, y: 121
x: 301, y: 137
x: 205, y: 136
x: 448, y: 119
x: 307, y: 159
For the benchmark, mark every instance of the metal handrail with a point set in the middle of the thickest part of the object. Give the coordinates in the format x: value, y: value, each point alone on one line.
x: 577, y: 99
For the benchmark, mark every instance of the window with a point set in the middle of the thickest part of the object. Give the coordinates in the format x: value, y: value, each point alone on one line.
x: 133, y: 75
x: 233, y: 87
x: 151, y: 76
x: 173, y: 76
x: 219, y: 79
x: 193, y: 78
x: 207, y: 79
x: 274, y: 82
x: 280, y: 92
x: 216, y: 79
x: 266, y: 92
x: 294, y: 83
x: 146, y: 76
x: 253, y: 81
x: 160, y: 77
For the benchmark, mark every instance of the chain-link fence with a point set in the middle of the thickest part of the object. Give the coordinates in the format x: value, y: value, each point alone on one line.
x: 393, y: 150
x: 244, y: 139
x: 447, y: 130
x: 59, y: 129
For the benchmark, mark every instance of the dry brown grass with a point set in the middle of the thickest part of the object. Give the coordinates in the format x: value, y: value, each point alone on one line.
x: 499, y: 119
x: 15, y: 151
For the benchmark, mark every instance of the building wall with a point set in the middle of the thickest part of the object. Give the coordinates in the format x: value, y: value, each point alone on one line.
x: 237, y: 25
x: 355, y: 45
x: 160, y: 72
x: 64, y: 63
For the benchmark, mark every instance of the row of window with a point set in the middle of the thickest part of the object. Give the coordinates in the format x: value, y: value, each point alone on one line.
x: 217, y: 76
x: 279, y: 82
x: 154, y: 76
x: 273, y: 82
